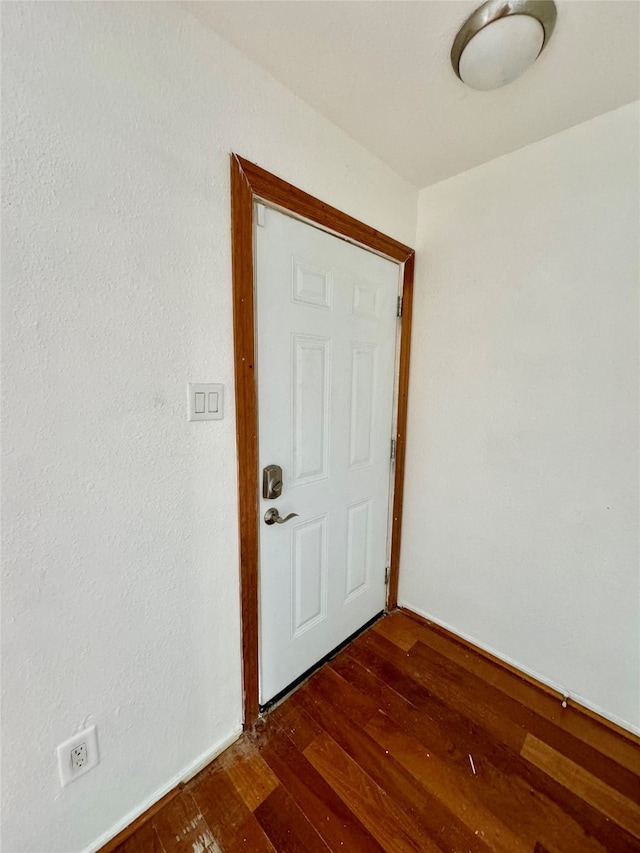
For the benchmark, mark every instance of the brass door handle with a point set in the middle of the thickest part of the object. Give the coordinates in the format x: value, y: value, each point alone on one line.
x: 272, y: 516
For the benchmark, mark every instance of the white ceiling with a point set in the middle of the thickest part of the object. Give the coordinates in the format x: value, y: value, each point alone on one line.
x: 381, y: 71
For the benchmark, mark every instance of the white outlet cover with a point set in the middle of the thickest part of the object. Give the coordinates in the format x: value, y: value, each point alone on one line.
x: 69, y: 773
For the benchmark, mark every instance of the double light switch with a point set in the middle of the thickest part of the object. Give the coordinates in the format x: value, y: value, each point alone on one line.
x: 205, y: 401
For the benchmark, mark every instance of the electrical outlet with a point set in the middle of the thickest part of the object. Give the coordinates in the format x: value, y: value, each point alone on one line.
x: 78, y: 755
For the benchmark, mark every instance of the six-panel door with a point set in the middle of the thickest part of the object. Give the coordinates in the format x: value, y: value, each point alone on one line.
x: 326, y: 327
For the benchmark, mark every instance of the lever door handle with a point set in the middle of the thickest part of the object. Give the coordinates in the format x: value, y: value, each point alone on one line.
x: 272, y: 516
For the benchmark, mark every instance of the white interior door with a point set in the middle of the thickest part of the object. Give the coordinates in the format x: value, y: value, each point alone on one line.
x: 327, y: 328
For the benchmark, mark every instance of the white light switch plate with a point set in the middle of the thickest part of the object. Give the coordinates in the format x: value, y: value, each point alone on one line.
x: 206, y: 401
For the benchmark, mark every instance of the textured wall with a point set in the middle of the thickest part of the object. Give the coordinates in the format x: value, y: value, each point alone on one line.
x: 120, y: 568
x: 521, y: 502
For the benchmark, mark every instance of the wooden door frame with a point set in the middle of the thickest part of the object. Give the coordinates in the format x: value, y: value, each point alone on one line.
x: 248, y: 184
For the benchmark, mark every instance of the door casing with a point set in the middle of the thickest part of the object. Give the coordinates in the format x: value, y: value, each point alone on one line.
x: 250, y: 183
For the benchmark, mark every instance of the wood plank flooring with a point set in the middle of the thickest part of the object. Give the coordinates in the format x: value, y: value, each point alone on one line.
x: 411, y: 741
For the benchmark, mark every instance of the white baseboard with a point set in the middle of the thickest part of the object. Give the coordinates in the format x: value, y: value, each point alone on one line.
x: 208, y: 757
x: 624, y: 724
x: 185, y: 775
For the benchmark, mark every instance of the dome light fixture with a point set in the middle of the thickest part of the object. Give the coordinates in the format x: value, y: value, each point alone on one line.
x: 500, y: 40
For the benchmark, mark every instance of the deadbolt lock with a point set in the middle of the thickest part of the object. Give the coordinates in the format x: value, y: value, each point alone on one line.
x: 271, y: 482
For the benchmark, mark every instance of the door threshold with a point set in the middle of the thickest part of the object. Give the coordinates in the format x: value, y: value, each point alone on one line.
x: 264, y: 709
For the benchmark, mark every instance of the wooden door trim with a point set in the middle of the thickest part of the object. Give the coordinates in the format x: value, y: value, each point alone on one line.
x: 248, y: 183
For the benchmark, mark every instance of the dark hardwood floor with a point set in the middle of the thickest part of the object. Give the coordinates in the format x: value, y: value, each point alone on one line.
x: 411, y: 741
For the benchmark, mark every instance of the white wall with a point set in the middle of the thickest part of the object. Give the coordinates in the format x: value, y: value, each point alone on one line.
x: 521, y: 504
x: 120, y: 573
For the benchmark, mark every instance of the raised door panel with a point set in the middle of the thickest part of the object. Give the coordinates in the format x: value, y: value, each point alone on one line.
x: 309, y: 574
x: 358, y: 559
x: 311, y: 284
x: 310, y: 396
x: 362, y: 403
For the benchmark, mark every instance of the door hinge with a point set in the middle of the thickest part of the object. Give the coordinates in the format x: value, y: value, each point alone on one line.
x: 393, y: 448
x: 386, y: 576
x: 399, y: 307
x: 260, y: 211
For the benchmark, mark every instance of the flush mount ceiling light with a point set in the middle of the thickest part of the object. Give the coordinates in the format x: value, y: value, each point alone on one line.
x: 500, y: 40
